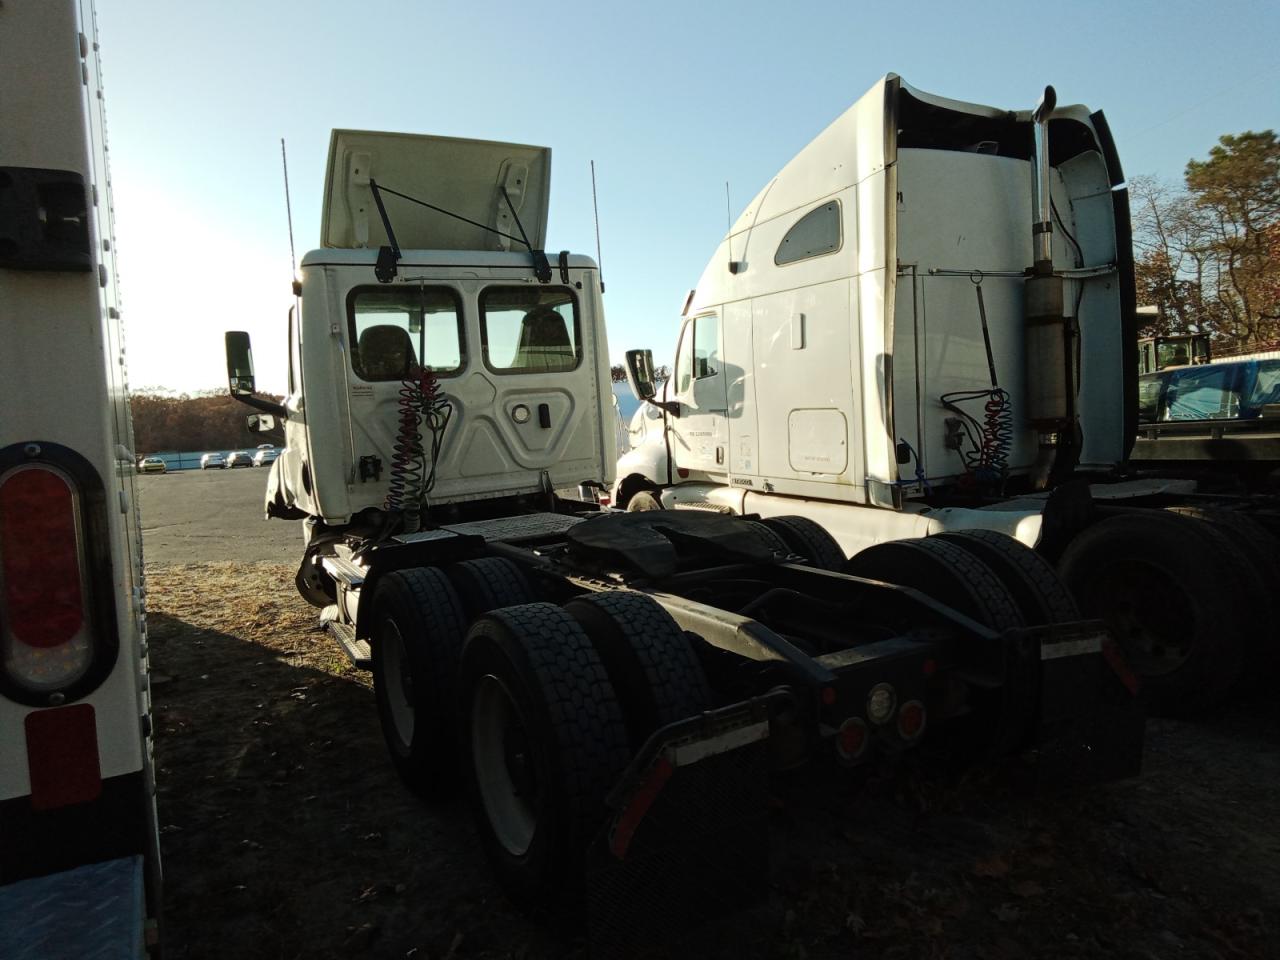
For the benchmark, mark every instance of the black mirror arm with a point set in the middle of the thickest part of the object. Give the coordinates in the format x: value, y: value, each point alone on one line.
x: 266, y: 406
x: 667, y: 406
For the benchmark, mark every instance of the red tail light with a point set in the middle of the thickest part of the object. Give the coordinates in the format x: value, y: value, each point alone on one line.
x: 911, y: 719
x: 46, y: 641
x: 852, y: 739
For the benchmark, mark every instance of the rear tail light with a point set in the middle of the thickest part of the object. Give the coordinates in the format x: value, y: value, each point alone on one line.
x: 852, y: 739
x: 46, y: 627
x: 911, y: 720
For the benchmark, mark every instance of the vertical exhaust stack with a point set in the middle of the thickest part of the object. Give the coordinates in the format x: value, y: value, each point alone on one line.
x: 1050, y: 392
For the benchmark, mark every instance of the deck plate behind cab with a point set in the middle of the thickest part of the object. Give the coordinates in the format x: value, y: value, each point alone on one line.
x: 654, y: 542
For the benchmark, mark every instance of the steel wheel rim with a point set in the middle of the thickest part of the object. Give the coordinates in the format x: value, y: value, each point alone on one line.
x: 497, y: 732
x: 398, y: 683
x: 1155, y: 634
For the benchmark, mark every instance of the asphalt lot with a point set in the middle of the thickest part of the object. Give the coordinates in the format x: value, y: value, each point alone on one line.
x: 203, y: 516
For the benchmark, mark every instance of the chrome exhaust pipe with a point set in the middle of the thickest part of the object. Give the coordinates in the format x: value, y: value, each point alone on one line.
x: 1042, y: 228
x: 1050, y: 378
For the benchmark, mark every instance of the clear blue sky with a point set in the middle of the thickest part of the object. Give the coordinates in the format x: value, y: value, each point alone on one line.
x: 669, y: 99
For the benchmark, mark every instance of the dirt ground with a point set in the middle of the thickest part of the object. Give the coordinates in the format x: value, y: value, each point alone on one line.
x: 286, y: 834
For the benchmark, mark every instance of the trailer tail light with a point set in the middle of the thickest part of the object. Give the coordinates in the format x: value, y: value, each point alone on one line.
x: 911, y: 720
x: 852, y: 739
x: 46, y: 635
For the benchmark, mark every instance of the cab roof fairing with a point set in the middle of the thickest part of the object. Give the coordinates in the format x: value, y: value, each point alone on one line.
x: 851, y: 148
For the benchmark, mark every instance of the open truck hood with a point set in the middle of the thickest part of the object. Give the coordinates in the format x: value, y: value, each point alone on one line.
x: 464, y: 177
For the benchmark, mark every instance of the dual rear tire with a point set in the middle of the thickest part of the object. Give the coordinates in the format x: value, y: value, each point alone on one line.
x: 537, y: 707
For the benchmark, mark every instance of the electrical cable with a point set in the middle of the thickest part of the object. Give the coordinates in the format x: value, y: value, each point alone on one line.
x: 1067, y: 233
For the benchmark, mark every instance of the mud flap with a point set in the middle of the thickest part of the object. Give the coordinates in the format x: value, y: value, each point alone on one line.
x: 1090, y: 722
x: 687, y: 841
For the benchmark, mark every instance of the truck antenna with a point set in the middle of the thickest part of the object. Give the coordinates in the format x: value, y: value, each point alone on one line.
x: 595, y: 212
x: 728, y: 223
x: 288, y: 207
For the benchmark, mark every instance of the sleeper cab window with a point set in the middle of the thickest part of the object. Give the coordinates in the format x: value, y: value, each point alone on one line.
x: 529, y: 330
x: 394, y: 328
x: 814, y: 234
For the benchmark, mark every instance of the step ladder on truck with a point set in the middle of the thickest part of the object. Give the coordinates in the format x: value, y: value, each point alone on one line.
x: 920, y: 336
x: 79, y: 849
x: 611, y: 690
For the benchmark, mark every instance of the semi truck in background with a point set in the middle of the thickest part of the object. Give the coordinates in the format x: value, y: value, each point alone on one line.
x: 925, y: 324
x: 79, y: 848
x: 619, y: 684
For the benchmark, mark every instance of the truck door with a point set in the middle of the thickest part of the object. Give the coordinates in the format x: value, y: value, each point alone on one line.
x: 700, y: 433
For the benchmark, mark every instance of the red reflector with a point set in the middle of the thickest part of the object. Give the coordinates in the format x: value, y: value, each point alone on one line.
x: 629, y: 820
x: 62, y: 756
x: 930, y: 667
x: 39, y: 543
x: 911, y: 719
x: 1115, y: 659
x: 828, y: 695
x: 682, y: 472
x: 851, y: 740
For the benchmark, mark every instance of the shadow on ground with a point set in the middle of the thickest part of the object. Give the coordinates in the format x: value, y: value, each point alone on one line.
x: 286, y: 834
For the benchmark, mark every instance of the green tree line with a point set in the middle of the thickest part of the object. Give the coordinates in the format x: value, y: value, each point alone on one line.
x: 204, y: 421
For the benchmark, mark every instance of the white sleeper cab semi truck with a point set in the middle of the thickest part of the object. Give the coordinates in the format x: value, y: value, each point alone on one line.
x: 79, y: 854
x: 610, y: 688
x: 920, y: 336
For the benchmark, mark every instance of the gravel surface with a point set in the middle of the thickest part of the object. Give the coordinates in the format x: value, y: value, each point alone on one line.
x: 286, y: 834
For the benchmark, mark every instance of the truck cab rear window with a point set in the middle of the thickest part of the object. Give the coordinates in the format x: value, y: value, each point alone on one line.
x: 526, y: 330
x: 392, y: 329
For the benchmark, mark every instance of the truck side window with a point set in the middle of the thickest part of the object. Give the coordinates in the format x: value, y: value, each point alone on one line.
x: 529, y: 331
x: 684, y: 359
x: 391, y: 329
x: 706, y: 347
x: 814, y: 234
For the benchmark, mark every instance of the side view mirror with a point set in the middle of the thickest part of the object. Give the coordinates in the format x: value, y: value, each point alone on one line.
x: 259, y: 422
x: 640, y: 374
x: 239, y: 363
x: 240, y: 375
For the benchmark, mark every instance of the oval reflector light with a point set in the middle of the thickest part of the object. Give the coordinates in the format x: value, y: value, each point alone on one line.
x: 45, y: 641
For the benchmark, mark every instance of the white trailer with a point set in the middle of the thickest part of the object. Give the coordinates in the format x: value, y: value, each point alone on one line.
x: 79, y: 851
x: 925, y: 324
x: 619, y: 683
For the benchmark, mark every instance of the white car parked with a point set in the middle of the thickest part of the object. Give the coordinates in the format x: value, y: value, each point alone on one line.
x: 213, y: 460
x: 265, y: 456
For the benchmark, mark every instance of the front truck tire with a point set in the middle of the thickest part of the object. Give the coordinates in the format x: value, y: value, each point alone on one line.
x: 1167, y: 590
x: 416, y: 642
x: 543, y: 740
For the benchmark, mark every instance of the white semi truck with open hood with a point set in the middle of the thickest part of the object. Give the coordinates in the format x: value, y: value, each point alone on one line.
x: 924, y: 324
x: 619, y: 684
